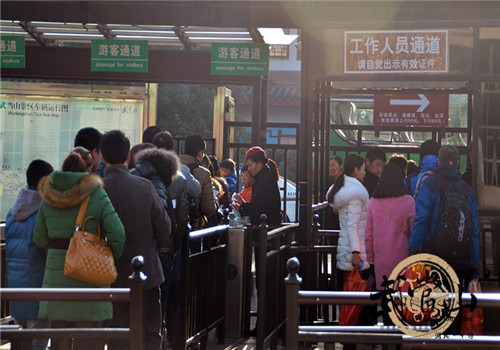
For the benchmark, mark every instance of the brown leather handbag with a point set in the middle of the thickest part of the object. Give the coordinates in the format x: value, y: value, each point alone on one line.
x: 89, y: 258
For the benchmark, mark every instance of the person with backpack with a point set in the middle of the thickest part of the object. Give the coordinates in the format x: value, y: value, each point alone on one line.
x: 194, y: 149
x: 446, y: 221
x: 428, y: 162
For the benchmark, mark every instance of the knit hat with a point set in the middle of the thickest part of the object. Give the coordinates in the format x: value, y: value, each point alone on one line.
x: 254, y: 150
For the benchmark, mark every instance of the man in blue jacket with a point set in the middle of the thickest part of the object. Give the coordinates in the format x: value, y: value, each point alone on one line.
x: 428, y: 206
x: 428, y: 162
x: 25, y: 261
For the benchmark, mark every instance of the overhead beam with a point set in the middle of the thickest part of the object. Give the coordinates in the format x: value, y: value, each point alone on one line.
x: 182, y: 38
x: 178, y: 13
x: 105, y: 31
x: 34, y: 34
x: 256, y: 36
x: 164, y: 66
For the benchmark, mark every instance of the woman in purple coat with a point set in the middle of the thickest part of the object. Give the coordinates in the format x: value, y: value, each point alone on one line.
x: 389, y: 222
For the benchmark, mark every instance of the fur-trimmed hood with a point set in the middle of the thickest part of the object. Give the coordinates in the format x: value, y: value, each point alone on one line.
x: 353, y: 189
x: 67, y: 189
x: 156, y: 161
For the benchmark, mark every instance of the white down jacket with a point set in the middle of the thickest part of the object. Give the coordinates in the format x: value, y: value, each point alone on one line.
x: 352, y: 202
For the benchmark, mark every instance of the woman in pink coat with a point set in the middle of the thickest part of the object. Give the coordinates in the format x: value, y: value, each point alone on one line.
x: 389, y: 223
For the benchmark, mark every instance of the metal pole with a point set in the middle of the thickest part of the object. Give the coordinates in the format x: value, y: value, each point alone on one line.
x: 261, y: 277
x: 292, y: 286
x: 136, y: 308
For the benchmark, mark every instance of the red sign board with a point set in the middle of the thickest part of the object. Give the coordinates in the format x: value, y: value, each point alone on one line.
x: 417, y: 109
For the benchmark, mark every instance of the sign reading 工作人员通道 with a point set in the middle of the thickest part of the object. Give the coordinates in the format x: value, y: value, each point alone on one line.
x: 396, y: 51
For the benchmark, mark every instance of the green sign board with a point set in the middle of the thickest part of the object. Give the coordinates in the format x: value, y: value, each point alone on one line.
x: 119, y: 56
x: 12, y: 51
x: 240, y: 59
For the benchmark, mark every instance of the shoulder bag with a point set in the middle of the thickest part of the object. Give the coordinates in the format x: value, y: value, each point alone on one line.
x: 89, y: 258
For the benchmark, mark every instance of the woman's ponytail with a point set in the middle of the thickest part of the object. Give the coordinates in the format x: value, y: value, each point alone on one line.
x: 337, y: 185
x: 273, y: 168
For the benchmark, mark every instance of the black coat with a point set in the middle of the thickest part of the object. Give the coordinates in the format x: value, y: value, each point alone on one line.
x: 265, y: 199
x: 145, y: 221
x: 370, y: 182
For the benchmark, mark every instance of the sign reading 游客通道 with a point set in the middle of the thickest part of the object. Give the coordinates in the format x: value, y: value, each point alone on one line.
x: 396, y: 51
x: 119, y: 56
x: 239, y: 59
x: 12, y: 51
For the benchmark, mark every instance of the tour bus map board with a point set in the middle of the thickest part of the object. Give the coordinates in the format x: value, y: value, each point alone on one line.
x: 45, y: 128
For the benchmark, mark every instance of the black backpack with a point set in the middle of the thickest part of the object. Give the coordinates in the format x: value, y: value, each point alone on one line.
x: 453, y: 235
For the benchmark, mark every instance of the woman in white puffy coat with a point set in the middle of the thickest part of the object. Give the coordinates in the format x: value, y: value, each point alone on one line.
x: 350, y: 198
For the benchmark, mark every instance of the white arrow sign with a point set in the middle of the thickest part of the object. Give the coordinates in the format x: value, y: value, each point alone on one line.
x: 423, y: 102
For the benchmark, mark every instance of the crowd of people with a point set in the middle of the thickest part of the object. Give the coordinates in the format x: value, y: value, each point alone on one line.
x: 386, y: 212
x: 146, y: 198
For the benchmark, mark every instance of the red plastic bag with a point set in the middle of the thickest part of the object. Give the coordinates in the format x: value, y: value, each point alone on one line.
x: 412, y: 273
x: 349, y: 313
x: 472, y: 321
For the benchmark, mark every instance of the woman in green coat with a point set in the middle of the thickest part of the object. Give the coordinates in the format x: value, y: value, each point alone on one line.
x: 62, y: 193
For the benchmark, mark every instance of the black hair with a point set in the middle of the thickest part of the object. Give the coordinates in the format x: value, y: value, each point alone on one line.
x: 115, y: 147
x: 375, y: 153
x: 164, y: 140
x: 261, y: 157
x: 428, y: 147
x: 400, y: 160
x: 194, y: 144
x: 244, y: 168
x: 391, y: 183
x: 228, y: 163
x: 136, y: 149
x: 449, y: 154
x: 215, y: 164
x: 36, y: 170
x: 207, y: 163
x: 352, y: 161
x: 74, y: 163
x: 89, y: 138
x: 149, y: 133
x: 412, y: 167
x: 337, y: 158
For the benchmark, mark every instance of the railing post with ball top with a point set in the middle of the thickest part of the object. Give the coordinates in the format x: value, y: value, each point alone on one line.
x: 136, y: 280
x: 292, y: 287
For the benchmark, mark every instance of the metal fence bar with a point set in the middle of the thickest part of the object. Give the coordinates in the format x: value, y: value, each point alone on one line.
x: 203, y: 286
x: 368, y: 334
x: 133, y: 295
x: 270, y: 274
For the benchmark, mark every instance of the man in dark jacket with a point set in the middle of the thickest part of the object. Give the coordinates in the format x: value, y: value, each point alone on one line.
x: 374, y: 161
x: 145, y: 221
x: 427, y: 219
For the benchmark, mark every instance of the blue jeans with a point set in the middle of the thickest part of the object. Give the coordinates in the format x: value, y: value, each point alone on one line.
x: 38, y: 344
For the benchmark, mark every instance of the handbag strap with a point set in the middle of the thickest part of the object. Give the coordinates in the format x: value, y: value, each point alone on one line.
x: 81, y: 212
x: 392, y: 217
